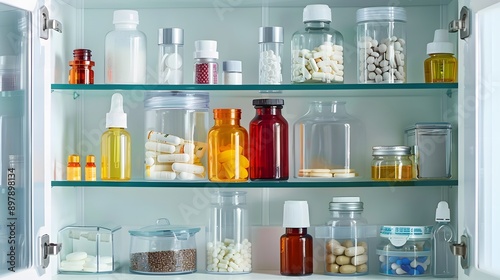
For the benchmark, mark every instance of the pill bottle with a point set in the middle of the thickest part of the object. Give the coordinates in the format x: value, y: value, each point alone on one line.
x: 228, y: 159
x: 170, y: 56
x: 268, y: 141
x: 229, y: 250
x: 205, y: 65
x: 175, y: 133
x: 381, y: 45
x: 232, y: 72
x: 81, y: 67
x: 73, y: 169
x: 328, y: 143
x: 296, y: 245
x: 125, y: 50
x: 90, y: 168
x: 405, y: 250
x: 441, y: 66
x: 392, y: 163
x: 317, y: 51
x: 270, y: 54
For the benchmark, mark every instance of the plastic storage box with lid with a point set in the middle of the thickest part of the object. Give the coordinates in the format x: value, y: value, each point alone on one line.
x: 405, y: 250
x: 163, y: 248
x: 89, y: 249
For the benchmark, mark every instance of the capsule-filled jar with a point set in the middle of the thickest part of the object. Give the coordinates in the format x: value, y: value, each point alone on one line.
x: 392, y: 163
x: 176, y: 125
x: 228, y: 159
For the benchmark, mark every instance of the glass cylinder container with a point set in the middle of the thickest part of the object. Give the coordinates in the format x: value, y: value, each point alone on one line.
x: 81, y: 67
x: 176, y: 127
x: 268, y: 141
x: 405, y: 250
x: 228, y: 247
x: 232, y: 72
x: 392, y: 163
x: 205, y: 65
x: 381, y: 40
x: 270, y: 54
x: 170, y: 56
x: 317, y: 51
x: 228, y: 159
x: 441, y: 66
x: 328, y: 142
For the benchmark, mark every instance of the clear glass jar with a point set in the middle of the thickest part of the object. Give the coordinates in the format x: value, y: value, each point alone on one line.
x: 205, y: 65
x: 328, y: 142
x: 170, y: 55
x: 317, y: 51
x: 229, y: 249
x: 176, y: 126
x: 270, y: 54
x: 228, y: 159
x: 268, y: 141
x: 347, y: 249
x: 392, y: 163
x: 381, y: 37
x: 405, y: 250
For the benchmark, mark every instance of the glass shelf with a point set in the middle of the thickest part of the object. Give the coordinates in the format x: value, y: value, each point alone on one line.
x: 256, y: 184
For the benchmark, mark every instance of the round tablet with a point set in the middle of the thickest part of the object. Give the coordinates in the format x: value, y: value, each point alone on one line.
x: 174, y: 77
x: 321, y: 174
x: 320, y: 170
x: 76, y: 256
x: 173, y: 61
x: 344, y: 175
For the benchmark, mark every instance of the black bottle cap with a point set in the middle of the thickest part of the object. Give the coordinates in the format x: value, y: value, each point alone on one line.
x: 268, y: 102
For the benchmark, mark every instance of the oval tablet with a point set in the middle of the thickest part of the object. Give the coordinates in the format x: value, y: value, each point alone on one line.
x: 76, y: 256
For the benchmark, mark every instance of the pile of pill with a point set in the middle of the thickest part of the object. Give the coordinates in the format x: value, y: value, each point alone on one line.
x: 270, y: 68
x: 346, y: 258
x: 231, y: 163
x: 229, y: 256
x: 323, y: 64
x: 169, y: 157
x: 81, y: 261
x: 327, y: 173
x: 170, y: 69
x: 396, y: 265
x: 381, y: 62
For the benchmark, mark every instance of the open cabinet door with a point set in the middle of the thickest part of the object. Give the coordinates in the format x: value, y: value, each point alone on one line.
x: 479, y: 91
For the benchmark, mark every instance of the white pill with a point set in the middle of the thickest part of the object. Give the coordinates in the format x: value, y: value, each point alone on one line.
x: 375, y: 54
x: 371, y: 67
x: 151, y: 154
x: 159, y: 147
x: 175, y: 77
x: 344, y: 175
x: 374, y: 43
x: 187, y: 167
x: 400, y: 271
x: 382, y: 48
x: 379, y: 78
x: 164, y: 138
x: 173, y: 61
x: 173, y: 158
x: 149, y: 161
x: 161, y: 167
x: 394, y: 266
x: 163, y: 175
x: 76, y: 256
x: 313, y: 64
x: 386, y: 76
x: 187, y: 176
x: 371, y: 75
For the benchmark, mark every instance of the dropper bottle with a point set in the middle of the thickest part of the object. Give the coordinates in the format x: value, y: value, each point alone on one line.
x: 116, y: 143
x: 444, y: 263
x: 441, y: 66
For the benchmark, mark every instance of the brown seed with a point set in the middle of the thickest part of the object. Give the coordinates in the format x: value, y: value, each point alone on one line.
x: 164, y: 261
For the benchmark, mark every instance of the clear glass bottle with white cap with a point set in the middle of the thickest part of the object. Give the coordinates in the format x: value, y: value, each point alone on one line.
x: 317, y: 51
x: 205, y: 65
x: 125, y: 50
x: 270, y: 54
x: 441, y: 66
x: 170, y: 56
x: 296, y: 245
x: 232, y: 72
x: 444, y: 263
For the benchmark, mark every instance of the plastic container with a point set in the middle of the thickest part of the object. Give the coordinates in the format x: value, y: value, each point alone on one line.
x: 229, y: 250
x: 89, y: 249
x: 328, y: 142
x: 270, y: 54
x: 405, y: 250
x: 228, y: 159
x: 81, y: 67
x: 441, y: 66
x: 170, y: 55
x: 268, y: 141
x: 205, y: 65
x: 163, y: 248
x: 392, y: 163
x: 125, y: 50
x: 381, y: 40
x: 444, y: 262
x: 176, y: 127
x: 232, y: 72
x: 317, y: 51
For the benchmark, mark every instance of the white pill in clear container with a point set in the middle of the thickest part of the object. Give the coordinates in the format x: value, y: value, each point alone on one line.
x: 170, y: 61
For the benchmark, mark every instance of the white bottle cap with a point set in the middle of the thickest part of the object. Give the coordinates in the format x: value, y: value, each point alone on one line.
x: 125, y: 17
x: 441, y: 44
x: 206, y: 49
x: 231, y: 66
x: 116, y: 117
x: 317, y: 12
x: 442, y: 212
x: 296, y: 214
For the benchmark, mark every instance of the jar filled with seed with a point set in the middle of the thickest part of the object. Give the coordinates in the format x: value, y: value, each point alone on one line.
x: 163, y: 249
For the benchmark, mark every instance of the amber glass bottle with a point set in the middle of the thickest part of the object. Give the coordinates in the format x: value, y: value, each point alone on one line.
x: 73, y: 169
x: 81, y: 67
x: 90, y: 169
x: 228, y: 148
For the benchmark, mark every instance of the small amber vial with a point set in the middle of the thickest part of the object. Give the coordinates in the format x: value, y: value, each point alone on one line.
x: 81, y: 67
x: 391, y: 163
x: 90, y: 169
x: 73, y: 170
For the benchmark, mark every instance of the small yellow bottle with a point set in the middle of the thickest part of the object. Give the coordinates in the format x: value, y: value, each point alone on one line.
x: 116, y: 144
x: 73, y: 169
x: 90, y: 168
x: 441, y: 66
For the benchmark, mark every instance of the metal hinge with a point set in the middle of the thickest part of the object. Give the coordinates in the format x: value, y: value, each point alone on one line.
x: 463, y: 24
x: 46, y: 23
x: 460, y: 249
x: 48, y: 249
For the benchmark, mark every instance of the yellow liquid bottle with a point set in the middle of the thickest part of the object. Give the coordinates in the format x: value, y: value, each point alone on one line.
x: 441, y: 66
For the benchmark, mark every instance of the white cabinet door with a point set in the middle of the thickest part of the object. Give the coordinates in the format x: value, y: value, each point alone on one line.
x: 479, y: 118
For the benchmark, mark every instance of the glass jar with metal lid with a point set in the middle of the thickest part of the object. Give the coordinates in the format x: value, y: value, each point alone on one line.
x: 391, y: 163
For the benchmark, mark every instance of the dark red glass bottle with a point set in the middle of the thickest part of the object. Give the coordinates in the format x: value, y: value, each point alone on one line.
x: 81, y: 67
x: 296, y: 252
x: 268, y: 141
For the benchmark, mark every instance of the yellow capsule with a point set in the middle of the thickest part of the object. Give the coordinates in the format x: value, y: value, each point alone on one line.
x: 229, y: 168
x: 226, y: 156
x: 244, y: 162
x: 243, y: 172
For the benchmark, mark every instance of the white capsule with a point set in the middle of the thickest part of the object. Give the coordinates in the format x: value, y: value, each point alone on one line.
x: 162, y: 175
x: 149, y: 161
x: 173, y: 158
x: 187, y: 176
x: 159, y: 147
x: 164, y: 138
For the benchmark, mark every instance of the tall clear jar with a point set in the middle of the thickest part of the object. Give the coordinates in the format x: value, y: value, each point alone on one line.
x: 270, y: 54
x: 318, y: 50
x: 229, y: 249
x: 381, y: 40
x: 328, y: 142
x: 392, y: 163
x: 170, y: 55
x: 176, y: 127
x: 228, y: 159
